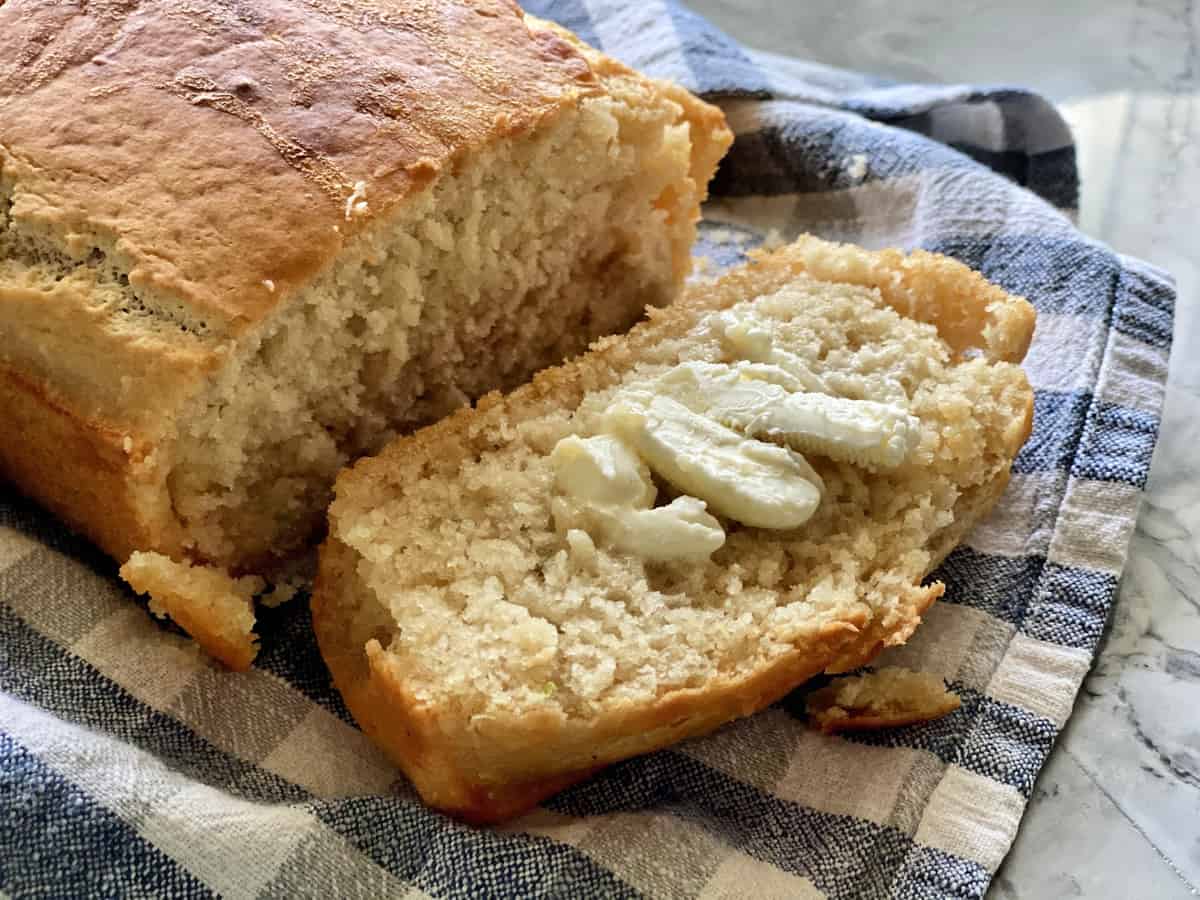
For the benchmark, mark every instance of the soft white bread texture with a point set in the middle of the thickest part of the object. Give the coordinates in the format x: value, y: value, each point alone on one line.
x: 496, y: 666
x: 262, y: 246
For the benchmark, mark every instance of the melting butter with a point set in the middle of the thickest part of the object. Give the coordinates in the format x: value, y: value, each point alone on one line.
x: 730, y: 436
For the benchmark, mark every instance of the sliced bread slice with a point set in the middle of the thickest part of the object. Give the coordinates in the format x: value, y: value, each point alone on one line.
x: 500, y: 644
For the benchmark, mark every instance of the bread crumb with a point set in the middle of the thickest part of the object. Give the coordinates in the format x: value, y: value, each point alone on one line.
x: 269, y: 285
x: 885, y: 699
x: 211, y: 605
x: 284, y: 589
x: 856, y: 166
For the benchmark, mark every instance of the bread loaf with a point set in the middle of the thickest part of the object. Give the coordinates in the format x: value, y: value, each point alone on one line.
x: 241, y: 245
x: 498, y: 656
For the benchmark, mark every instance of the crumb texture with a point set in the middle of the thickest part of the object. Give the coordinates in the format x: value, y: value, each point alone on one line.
x: 535, y: 249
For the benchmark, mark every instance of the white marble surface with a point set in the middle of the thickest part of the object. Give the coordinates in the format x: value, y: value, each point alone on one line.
x: 1116, y: 812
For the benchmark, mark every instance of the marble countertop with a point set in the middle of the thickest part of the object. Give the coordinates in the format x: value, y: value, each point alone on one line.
x: 1116, y: 811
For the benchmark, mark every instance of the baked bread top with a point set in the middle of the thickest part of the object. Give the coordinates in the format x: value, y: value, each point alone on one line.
x: 209, y: 114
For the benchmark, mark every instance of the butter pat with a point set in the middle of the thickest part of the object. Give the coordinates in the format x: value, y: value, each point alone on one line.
x: 760, y: 401
x: 682, y: 529
x: 727, y: 435
x: 749, y: 338
x: 606, y: 493
x: 752, y: 482
x: 602, y: 470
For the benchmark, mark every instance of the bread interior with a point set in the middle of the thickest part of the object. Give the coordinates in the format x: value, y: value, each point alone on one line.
x: 515, y: 258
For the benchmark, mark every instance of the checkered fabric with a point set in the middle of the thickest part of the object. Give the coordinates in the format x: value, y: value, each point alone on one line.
x: 131, y: 765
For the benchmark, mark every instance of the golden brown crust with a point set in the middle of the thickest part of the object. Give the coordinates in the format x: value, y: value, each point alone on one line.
x: 81, y: 470
x: 212, y: 607
x: 488, y: 775
x: 879, y: 635
x: 237, y: 653
x: 892, y: 698
x: 85, y: 408
x: 277, y: 107
x: 711, y: 137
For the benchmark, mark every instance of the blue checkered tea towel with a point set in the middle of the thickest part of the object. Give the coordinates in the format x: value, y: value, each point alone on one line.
x: 130, y: 765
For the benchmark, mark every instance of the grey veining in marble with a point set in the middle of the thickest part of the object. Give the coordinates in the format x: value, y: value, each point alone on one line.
x: 1116, y: 812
